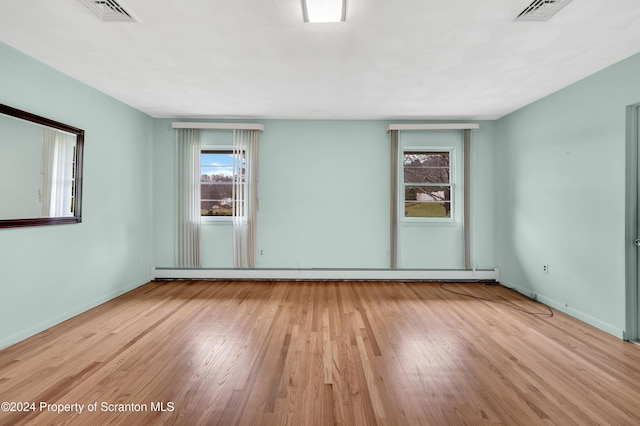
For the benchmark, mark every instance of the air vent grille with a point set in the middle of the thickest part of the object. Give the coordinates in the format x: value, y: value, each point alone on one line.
x: 541, y: 10
x: 108, y: 10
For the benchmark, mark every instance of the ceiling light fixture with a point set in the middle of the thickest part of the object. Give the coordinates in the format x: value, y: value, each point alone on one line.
x: 323, y: 11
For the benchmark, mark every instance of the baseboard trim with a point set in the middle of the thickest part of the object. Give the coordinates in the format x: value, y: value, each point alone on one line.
x: 586, y: 318
x: 327, y: 274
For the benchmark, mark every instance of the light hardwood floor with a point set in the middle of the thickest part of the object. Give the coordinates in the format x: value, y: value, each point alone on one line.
x: 306, y: 353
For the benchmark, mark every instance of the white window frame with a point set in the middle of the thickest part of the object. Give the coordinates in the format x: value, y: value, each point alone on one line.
x: 453, y: 174
x: 217, y: 220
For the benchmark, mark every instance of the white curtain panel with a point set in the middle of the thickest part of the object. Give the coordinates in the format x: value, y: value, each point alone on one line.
x: 245, y: 199
x: 393, y: 249
x: 57, y: 173
x: 188, y: 198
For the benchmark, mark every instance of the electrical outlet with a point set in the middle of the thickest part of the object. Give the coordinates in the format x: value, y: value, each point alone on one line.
x: 545, y: 268
x: 261, y: 252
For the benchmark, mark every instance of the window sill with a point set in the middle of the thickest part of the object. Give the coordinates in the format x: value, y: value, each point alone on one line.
x: 217, y: 220
x: 213, y: 220
x: 429, y: 221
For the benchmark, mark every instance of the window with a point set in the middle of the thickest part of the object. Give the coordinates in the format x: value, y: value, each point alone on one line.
x: 216, y: 182
x: 427, y: 184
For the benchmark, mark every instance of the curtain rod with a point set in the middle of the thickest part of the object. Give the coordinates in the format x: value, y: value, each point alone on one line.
x: 432, y: 126
x: 217, y: 126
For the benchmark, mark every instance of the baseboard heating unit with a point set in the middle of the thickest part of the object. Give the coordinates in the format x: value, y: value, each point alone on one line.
x: 328, y: 274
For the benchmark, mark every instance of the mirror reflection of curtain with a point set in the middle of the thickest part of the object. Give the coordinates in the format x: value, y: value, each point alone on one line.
x: 245, y: 197
x: 188, y: 198
x: 58, y: 151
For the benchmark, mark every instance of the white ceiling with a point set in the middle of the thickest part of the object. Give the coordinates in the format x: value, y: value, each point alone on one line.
x: 413, y: 59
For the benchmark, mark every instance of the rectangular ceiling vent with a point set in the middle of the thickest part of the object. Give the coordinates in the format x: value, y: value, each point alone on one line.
x: 541, y: 10
x: 108, y: 10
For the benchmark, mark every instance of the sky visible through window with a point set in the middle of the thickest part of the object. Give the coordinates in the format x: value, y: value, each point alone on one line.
x: 216, y: 183
x: 216, y: 163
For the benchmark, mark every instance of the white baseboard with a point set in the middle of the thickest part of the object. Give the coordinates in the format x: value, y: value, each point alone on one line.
x: 326, y: 274
x: 604, y: 326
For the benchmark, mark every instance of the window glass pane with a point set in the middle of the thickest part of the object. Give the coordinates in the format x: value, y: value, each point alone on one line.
x: 427, y: 193
x: 215, y: 191
x: 218, y: 166
x: 216, y: 182
x: 215, y: 208
x: 426, y: 167
x: 427, y: 209
x: 427, y: 201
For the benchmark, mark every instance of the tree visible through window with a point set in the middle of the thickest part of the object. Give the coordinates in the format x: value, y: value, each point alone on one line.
x: 427, y: 184
x: 216, y: 183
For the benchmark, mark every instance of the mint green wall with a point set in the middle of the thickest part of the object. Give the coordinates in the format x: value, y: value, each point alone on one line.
x: 324, y: 195
x: 48, y: 274
x: 560, y: 186
x: 163, y: 188
x: 323, y: 198
x: 483, y: 196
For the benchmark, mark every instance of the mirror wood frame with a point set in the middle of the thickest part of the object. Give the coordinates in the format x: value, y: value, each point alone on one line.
x: 77, y: 203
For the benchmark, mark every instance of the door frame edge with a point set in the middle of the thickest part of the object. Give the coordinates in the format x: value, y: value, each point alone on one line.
x: 631, y: 223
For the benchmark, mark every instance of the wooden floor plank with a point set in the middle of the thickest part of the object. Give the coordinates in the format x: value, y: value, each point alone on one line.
x: 321, y: 353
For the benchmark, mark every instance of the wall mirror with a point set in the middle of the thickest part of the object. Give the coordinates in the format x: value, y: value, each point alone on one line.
x: 40, y: 170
